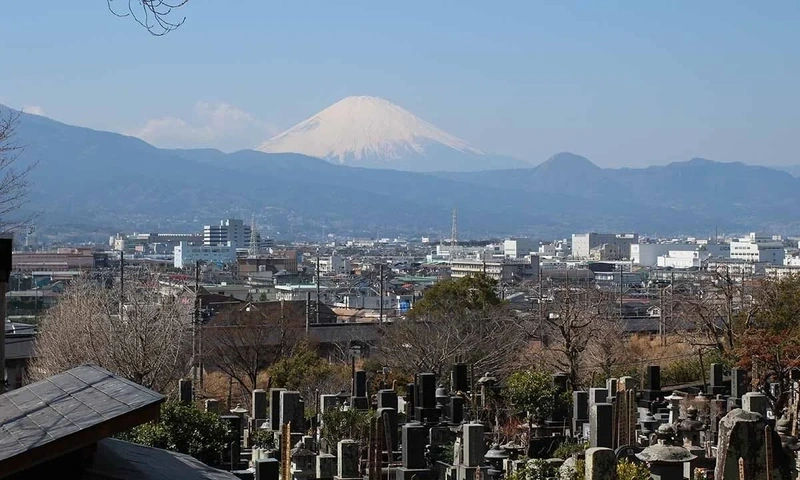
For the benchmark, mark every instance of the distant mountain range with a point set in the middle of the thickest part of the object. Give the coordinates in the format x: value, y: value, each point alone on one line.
x: 101, y: 182
x: 374, y: 133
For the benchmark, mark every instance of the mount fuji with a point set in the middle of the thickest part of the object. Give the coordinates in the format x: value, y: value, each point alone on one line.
x: 375, y: 133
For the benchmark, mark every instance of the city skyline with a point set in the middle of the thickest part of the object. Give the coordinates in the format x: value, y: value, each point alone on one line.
x: 629, y: 85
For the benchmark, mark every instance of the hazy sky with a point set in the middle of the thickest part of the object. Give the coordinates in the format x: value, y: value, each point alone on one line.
x: 623, y: 83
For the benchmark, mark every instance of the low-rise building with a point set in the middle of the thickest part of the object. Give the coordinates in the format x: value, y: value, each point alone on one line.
x: 583, y: 243
x: 188, y: 255
x: 518, y: 247
x: 682, y: 259
x: 500, y: 270
x: 758, y: 247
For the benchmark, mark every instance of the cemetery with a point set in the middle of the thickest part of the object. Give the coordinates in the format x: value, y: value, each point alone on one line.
x: 455, y: 429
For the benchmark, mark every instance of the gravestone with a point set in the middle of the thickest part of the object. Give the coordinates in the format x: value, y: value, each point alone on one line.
x: 742, y: 434
x: 739, y: 385
x: 580, y: 410
x: 598, y: 395
x: 267, y: 469
x: 460, y: 378
x: 611, y: 388
x: 275, y: 408
x: 389, y: 416
x: 413, y: 459
x: 456, y: 413
x: 328, y: 402
x: 387, y: 399
x: 426, y: 410
x: 348, y: 460
x: 652, y: 389
x: 601, y: 425
x: 755, y: 402
x: 291, y: 410
x: 360, y: 384
x: 411, y: 401
x: 185, y: 391
x: 359, y: 400
x: 259, y: 405
x: 326, y: 466
x: 414, y: 440
x: 601, y: 464
x: 473, y: 445
x: 212, y: 405
x: 716, y: 382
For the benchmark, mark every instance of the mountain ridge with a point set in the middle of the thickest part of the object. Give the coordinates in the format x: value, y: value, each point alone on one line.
x: 90, y: 177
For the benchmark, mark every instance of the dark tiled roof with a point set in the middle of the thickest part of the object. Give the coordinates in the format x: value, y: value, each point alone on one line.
x: 120, y: 460
x: 68, y: 411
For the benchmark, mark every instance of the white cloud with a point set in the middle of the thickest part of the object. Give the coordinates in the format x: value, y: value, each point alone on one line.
x: 218, y: 125
x: 33, y: 109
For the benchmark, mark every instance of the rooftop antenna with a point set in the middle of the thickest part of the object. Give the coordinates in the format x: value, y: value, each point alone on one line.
x: 453, y: 235
x: 253, y: 250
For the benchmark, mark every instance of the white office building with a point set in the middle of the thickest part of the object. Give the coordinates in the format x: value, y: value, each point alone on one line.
x: 583, y: 243
x: 335, y: 265
x: 230, y: 230
x: 518, y: 247
x: 682, y: 259
x: 758, y: 247
x: 647, y: 254
x: 187, y: 254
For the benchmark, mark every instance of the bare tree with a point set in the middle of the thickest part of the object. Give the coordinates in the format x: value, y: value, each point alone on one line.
x: 14, y: 181
x: 146, y: 338
x: 242, y: 341
x: 575, y: 317
x: 456, y: 319
x: 154, y: 15
x: 717, y: 309
x: 490, y: 340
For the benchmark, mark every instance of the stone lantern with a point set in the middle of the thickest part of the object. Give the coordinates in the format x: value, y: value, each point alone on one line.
x: 649, y: 425
x: 303, y: 462
x: 664, y: 459
x: 674, y: 407
x: 690, y: 427
x: 495, y: 458
x: 486, y: 383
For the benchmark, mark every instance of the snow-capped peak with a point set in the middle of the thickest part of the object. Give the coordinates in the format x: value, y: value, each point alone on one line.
x: 363, y: 127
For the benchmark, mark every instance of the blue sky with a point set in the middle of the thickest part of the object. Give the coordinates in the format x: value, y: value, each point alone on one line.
x: 623, y: 83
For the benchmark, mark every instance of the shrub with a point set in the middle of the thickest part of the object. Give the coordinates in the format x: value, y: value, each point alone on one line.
x: 183, y: 429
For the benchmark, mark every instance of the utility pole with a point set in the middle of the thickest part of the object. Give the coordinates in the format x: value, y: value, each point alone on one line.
x: 308, y: 309
x: 196, y: 325
x: 121, y: 281
x: 317, y: 310
x: 380, y: 317
x: 6, y: 249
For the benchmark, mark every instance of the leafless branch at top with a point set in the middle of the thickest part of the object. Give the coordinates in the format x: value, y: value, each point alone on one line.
x: 154, y: 15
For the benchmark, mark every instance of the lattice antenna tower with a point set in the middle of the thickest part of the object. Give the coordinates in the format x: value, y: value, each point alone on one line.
x: 253, y: 247
x: 454, y: 235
